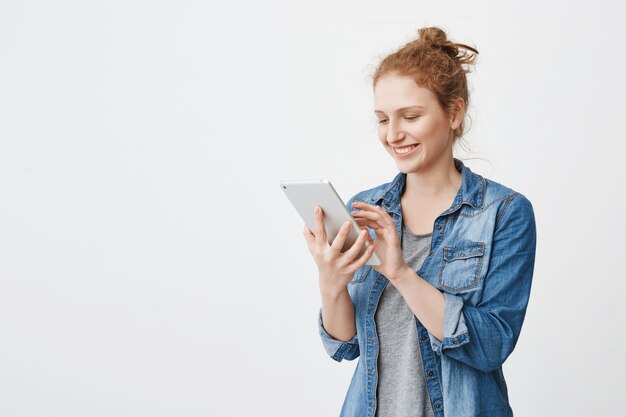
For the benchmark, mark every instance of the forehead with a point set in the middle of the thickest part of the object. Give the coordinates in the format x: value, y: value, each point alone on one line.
x: 396, y: 91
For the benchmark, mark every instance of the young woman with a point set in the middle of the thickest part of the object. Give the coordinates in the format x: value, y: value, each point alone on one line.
x: 434, y: 322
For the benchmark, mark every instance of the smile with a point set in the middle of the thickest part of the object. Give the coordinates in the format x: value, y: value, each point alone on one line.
x: 406, y: 150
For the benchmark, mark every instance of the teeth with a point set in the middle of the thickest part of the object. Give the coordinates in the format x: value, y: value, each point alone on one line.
x: 405, y: 150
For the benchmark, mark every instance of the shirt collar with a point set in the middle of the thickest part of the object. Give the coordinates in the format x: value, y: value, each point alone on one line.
x: 471, y: 192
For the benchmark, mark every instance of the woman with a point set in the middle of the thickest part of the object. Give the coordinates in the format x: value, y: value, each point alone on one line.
x: 457, y: 249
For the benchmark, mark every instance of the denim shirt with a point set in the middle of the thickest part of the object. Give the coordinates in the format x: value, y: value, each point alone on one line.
x: 482, y: 259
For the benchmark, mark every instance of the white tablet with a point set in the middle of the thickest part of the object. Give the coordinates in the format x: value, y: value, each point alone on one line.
x: 306, y: 194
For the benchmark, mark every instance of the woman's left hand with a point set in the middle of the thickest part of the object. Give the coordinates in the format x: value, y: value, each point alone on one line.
x: 387, y: 242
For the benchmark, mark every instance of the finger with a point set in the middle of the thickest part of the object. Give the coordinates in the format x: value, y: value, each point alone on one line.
x: 340, y: 239
x: 386, y: 217
x: 320, y: 235
x: 357, y: 246
x: 379, y: 231
x: 369, y: 237
x: 363, y: 220
x: 371, y: 212
x: 369, y: 223
x: 364, y: 206
x: 309, y: 236
x: 363, y: 226
x: 369, y: 209
x: 370, y: 218
x: 362, y: 260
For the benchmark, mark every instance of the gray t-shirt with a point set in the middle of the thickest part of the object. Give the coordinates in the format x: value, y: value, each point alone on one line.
x: 401, y: 389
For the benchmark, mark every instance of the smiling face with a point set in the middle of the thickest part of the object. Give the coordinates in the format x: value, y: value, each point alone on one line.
x: 410, y: 115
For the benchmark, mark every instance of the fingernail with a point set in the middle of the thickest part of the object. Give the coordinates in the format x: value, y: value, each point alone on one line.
x: 317, y: 209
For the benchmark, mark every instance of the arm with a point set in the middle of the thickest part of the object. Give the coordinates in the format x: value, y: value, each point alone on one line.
x: 340, y: 314
x: 483, y: 336
x: 427, y: 302
x: 336, y: 323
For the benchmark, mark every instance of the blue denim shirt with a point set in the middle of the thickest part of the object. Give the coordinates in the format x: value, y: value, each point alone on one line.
x: 482, y: 259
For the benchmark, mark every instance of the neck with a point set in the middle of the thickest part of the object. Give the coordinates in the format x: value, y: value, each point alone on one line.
x: 441, y: 180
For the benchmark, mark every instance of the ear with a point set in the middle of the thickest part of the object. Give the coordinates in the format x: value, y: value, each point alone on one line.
x: 457, y: 112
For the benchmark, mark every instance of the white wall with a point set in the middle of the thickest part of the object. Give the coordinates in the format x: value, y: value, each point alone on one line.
x: 150, y: 264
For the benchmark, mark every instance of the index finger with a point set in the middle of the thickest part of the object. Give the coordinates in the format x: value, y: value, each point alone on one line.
x: 362, y: 205
x: 386, y: 218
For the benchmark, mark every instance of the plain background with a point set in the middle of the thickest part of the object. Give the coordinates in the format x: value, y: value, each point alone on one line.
x: 150, y: 264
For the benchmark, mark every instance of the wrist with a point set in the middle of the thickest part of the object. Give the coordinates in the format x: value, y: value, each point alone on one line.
x: 332, y: 294
x: 403, y: 274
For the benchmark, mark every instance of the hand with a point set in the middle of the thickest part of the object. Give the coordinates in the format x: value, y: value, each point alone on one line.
x: 387, y: 243
x: 335, y: 268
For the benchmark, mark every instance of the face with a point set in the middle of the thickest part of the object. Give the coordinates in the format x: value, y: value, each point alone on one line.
x: 410, y: 115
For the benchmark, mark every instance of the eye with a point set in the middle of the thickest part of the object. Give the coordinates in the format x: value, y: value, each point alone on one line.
x: 411, y: 118
x: 381, y: 121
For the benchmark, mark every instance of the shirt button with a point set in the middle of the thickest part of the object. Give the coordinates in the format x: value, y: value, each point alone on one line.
x: 455, y: 342
x: 437, y: 406
x: 439, y: 227
x: 430, y: 373
x: 424, y: 338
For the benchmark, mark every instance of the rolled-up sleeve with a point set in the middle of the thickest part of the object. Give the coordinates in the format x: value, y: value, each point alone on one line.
x: 337, y: 349
x: 454, y: 328
x: 483, y: 336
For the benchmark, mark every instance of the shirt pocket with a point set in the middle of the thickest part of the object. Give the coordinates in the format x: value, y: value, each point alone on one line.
x: 361, y: 274
x: 461, y: 267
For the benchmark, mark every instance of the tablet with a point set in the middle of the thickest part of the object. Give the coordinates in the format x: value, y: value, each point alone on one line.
x: 306, y: 194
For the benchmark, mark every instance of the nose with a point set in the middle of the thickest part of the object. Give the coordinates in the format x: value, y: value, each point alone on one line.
x: 394, y: 134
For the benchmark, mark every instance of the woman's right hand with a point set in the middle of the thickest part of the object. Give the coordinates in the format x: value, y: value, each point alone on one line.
x: 335, y: 268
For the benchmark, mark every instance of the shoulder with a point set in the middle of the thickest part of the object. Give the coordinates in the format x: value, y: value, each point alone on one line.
x: 513, y: 207
x: 507, y: 197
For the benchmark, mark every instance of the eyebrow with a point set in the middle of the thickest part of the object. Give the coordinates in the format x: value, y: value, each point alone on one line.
x: 401, y: 109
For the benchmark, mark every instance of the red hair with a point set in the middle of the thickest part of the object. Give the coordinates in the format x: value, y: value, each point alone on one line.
x: 435, y: 63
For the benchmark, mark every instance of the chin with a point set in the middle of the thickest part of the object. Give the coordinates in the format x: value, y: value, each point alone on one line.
x: 407, y: 168
x: 412, y: 165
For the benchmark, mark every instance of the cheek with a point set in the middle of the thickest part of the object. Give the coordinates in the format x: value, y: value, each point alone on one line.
x: 382, y: 134
x: 426, y: 130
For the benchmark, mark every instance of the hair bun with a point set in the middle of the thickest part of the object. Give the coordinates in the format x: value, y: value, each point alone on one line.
x: 435, y: 37
x: 432, y: 35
